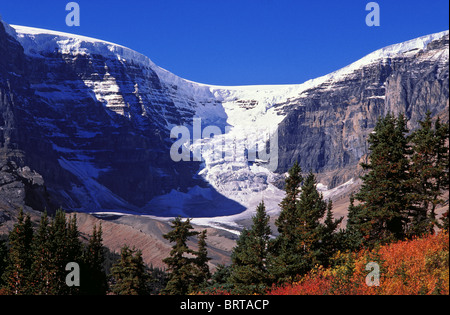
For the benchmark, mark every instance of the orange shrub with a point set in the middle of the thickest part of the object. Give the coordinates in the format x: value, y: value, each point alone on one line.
x: 411, y: 267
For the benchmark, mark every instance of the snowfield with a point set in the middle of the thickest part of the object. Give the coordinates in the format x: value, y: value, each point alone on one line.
x: 246, y: 116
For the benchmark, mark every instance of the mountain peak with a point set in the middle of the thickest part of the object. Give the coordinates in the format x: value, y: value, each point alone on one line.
x: 105, y: 112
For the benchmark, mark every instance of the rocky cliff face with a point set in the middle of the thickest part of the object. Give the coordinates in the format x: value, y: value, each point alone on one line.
x: 91, y: 121
x: 94, y: 124
x: 20, y: 186
x: 327, y: 129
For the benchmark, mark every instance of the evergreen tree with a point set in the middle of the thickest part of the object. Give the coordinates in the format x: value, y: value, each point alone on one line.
x: 303, y: 241
x: 58, y: 232
x: 310, y: 231
x: 250, y: 257
x: 3, y: 260
x: 37, y: 259
x: 94, y: 280
x: 43, y: 270
x: 66, y: 248
x: 74, y: 249
x: 55, y: 244
x: 129, y: 274
x: 202, y: 272
x: 353, y: 237
x: 74, y: 245
x: 429, y: 171
x: 18, y: 271
x: 289, y: 203
x: 385, y: 191
x: 159, y: 280
x: 221, y: 278
x: 181, y: 267
x: 285, y: 255
x: 329, y: 239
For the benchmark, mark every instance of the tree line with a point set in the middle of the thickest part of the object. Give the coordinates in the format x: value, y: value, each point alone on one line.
x: 406, y: 174
x: 33, y: 261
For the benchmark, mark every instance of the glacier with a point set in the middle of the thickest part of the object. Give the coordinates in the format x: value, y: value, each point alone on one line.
x: 245, y: 112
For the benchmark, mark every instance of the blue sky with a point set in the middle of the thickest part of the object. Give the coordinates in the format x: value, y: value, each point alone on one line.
x: 241, y: 42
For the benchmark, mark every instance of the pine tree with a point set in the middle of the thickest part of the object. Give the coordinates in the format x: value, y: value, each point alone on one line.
x: 353, y: 237
x: 429, y: 171
x: 66, y: 248
x: 74, y: 245
x: 385, y: 191
x: 250, y: 257
x: 303, y: 240
x: 3, y: 260
x: 158, y: 281
x: 18, y: 271
x: 310, y: 231
x: 181, y: 267
x: 43, y: 270
x: 285, y: 258
x: 202, y: 272
x: 58, y: 231
x: 289, y: 203
x: 129, y: 274
x: 55, y: 244
x: 94, y: 280
x: 329, y: 240
x: 221, y: 278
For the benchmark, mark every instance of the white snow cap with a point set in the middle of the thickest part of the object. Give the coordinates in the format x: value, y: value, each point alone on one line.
x: 39, y: 40
x: 36, y: 40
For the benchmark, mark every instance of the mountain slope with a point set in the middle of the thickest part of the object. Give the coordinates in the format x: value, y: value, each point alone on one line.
x: 102, y: 115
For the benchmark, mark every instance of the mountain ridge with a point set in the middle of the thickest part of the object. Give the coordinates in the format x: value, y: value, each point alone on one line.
x: 385, y: 52
x: 104, y: 114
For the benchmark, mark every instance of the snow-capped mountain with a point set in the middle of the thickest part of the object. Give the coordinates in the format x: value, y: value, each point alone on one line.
x: 102, y: 115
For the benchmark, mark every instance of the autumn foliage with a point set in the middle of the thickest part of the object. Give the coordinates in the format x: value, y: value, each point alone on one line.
x: 411, y: 267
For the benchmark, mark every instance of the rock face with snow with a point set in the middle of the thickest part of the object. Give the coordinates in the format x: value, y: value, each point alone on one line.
x: 94, y: 119
x: 20, y: 187
x: 327, y: 129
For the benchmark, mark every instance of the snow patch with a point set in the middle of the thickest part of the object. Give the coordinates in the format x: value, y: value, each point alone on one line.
x: 247, y: 111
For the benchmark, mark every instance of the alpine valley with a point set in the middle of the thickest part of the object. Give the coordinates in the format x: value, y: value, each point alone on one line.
x: 86, y: 125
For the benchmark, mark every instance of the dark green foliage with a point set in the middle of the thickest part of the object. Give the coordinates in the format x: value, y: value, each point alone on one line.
x: 94, y: 275
x: 316, y: 239
x: 287, y: 254
x: 404, y: 183
x: 353, y: 237
x: 187, y: 268
x: 304, y: 241
x: 329, y: 239
x: 129, y: 274
x: 55, y: 244
x: 289, y: 204
x: 159, y: 280
x: 250, y: 257
x: 429, y: 172
x: 43, y: 264
x: 3, y: 259
x: 201, y: 272
x: 384, y: 194
x: 36, y: 260
x: 221, y: 279
x: 17, y: 276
